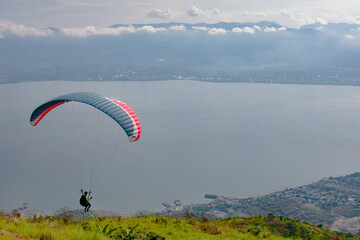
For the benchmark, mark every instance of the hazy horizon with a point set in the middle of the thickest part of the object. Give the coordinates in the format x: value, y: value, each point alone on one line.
x: 80, y: 13
x: 266, y: 52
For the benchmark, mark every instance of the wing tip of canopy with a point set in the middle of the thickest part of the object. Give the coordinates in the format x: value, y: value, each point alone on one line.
x: 133, y: 133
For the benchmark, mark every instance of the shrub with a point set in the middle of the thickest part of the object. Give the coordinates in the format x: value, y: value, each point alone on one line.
x: 86, y: 226
x: 66, y: 220
x: 128, y: 234
x: 206, y: 227
x: 305, y: 233
x: 188, y: 214
x: 254, y: 230
x: 121, y: 232
x: 291, y: 227
x: 203, y: 218
x: 270, y: 215
x: 211, y: 229
x: 46, y: 236
x: 153, y: 236
x: 15, y: 213
x: 161, y: 220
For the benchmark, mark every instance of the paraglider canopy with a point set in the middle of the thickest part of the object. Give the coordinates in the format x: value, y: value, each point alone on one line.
x: 113, y: 107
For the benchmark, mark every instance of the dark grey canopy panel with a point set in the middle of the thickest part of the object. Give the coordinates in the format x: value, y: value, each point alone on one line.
x: 113, y: 107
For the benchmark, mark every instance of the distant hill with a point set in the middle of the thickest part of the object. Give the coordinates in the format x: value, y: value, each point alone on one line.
x: 333, y: 202
x: 334, y: 28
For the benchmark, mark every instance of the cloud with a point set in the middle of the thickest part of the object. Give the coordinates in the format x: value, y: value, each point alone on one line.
x: 325, y: 18
x: 288, y: 14
x: 201, y: 28
x: 349, y: 37
x: 249, y: 30
x: 178, y: 28
x: 357, y: 19
x: 91, y: 31
x: 237, y: 30
x: 282, y: 13
x: 8, y: 28
x: 162, y: 14
x: 320, y: 21
x: 244, y: 30
x: 257, y: 28
x: 281, y: 16
x: 151, y: 29
x: 193, y: 11
x: 342, y: 16
x: 252, y: 30
x: 270, y: 29
x: 214, y: 31
x: 215, y: 11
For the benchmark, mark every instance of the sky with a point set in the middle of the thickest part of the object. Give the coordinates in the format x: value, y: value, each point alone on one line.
x: 301, y: 124
x: 291, y: 136
x: 40, y: 14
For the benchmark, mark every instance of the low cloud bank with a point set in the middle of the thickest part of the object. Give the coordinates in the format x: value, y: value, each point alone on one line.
x: 8, y: 28
x: 255, y: 52
x: 91, y: 30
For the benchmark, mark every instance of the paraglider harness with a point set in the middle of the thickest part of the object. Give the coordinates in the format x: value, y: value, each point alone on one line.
x: 84, y: 200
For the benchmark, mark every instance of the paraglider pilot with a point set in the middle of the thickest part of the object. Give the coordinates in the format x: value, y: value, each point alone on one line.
x: 84, y: 200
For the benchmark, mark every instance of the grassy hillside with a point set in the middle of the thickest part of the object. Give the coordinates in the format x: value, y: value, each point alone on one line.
x: 156, y: 227
x: 328, y: 202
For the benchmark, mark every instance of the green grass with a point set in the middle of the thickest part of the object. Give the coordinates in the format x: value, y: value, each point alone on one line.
x: 156, y: 227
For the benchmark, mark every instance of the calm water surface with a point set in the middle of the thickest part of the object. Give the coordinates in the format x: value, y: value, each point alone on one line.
x: 228, y: 139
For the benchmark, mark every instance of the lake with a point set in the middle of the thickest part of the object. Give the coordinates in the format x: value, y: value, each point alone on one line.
x: 230, y: 139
